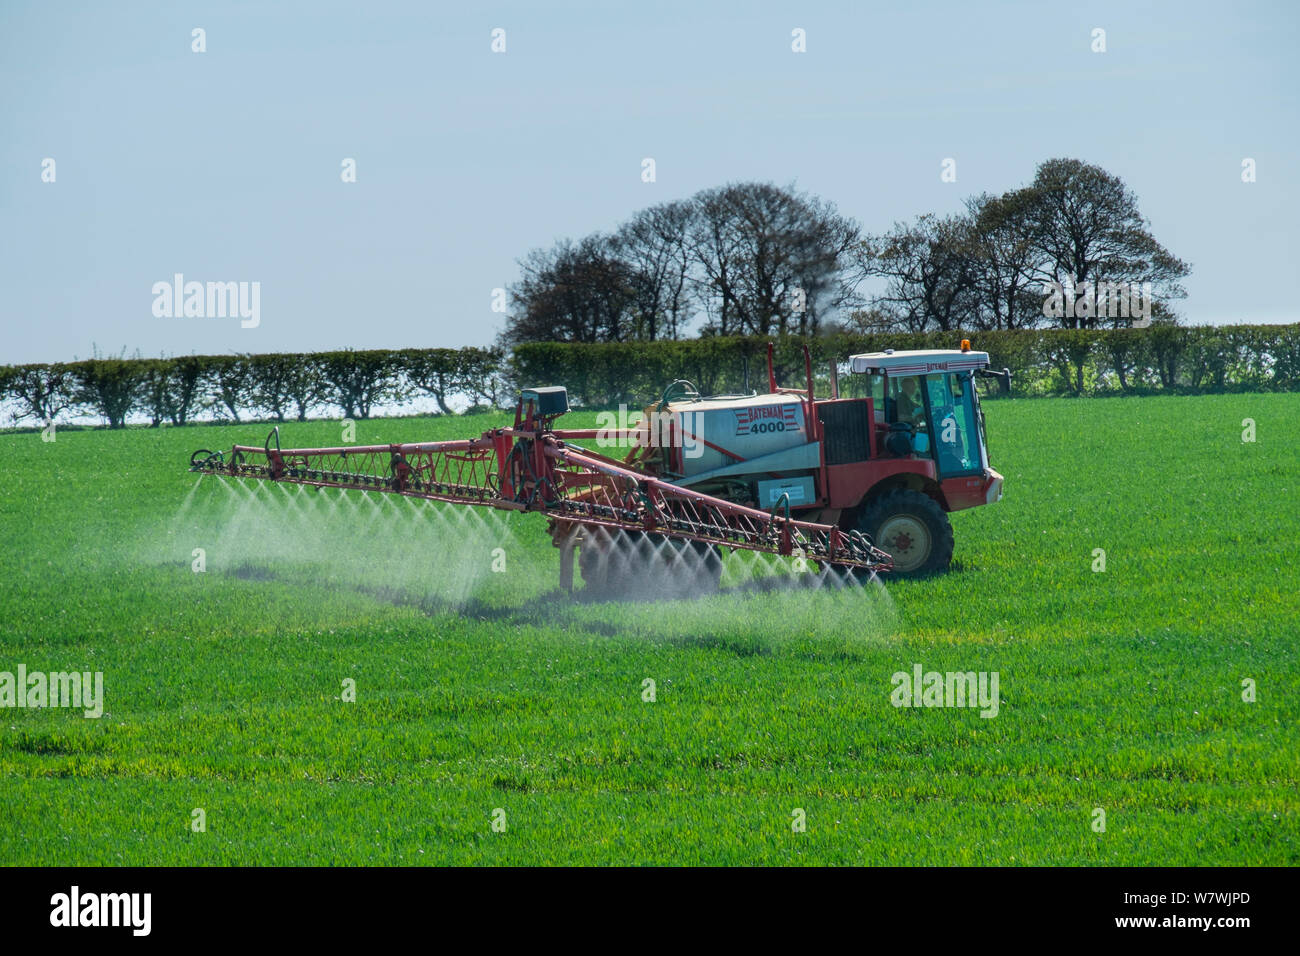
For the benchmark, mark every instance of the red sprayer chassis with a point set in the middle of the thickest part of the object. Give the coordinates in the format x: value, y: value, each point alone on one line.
x: 861, y: 481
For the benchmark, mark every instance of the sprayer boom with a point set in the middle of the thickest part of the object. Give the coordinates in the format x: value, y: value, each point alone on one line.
x: 531, y: 467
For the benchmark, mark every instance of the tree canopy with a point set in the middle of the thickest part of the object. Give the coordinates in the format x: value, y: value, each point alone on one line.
x: 754, y: 258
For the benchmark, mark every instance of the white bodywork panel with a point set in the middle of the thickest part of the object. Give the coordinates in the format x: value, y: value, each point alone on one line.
x: 921, y: 362
x: 750, y: 427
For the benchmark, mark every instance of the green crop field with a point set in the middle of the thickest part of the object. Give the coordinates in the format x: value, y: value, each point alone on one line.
x: 487, y: 697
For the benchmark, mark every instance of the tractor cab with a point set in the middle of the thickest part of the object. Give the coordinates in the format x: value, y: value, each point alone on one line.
x: 931, y: 451
x: 926, y: 405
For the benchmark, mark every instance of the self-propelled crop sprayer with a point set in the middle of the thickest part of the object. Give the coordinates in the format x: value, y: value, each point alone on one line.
x: 861, y: 482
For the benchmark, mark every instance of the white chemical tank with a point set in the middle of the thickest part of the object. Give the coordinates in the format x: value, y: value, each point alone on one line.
x: 750, y: 427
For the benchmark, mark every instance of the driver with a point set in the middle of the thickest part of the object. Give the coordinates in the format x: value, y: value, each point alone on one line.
x: 910, y: 407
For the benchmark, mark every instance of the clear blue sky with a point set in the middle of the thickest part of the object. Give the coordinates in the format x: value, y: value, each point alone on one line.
x: 225, y: 165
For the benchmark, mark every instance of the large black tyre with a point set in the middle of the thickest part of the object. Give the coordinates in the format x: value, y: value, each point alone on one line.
x: 912, y: 528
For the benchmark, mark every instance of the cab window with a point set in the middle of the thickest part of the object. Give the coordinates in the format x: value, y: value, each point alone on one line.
x: 864, y: 385
x: 954, y: 424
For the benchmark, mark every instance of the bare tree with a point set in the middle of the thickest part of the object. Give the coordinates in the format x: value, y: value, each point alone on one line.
x: 1075, y: 225
x: 1002, y: 245
x: 770, y: 259
x: 1086, y: 227
x: 759, y: 259
x: 573, y: 293
x: 653, y: 243
x: 930, y: 273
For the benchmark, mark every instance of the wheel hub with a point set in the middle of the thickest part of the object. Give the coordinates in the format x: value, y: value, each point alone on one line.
x: 907, y: 540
